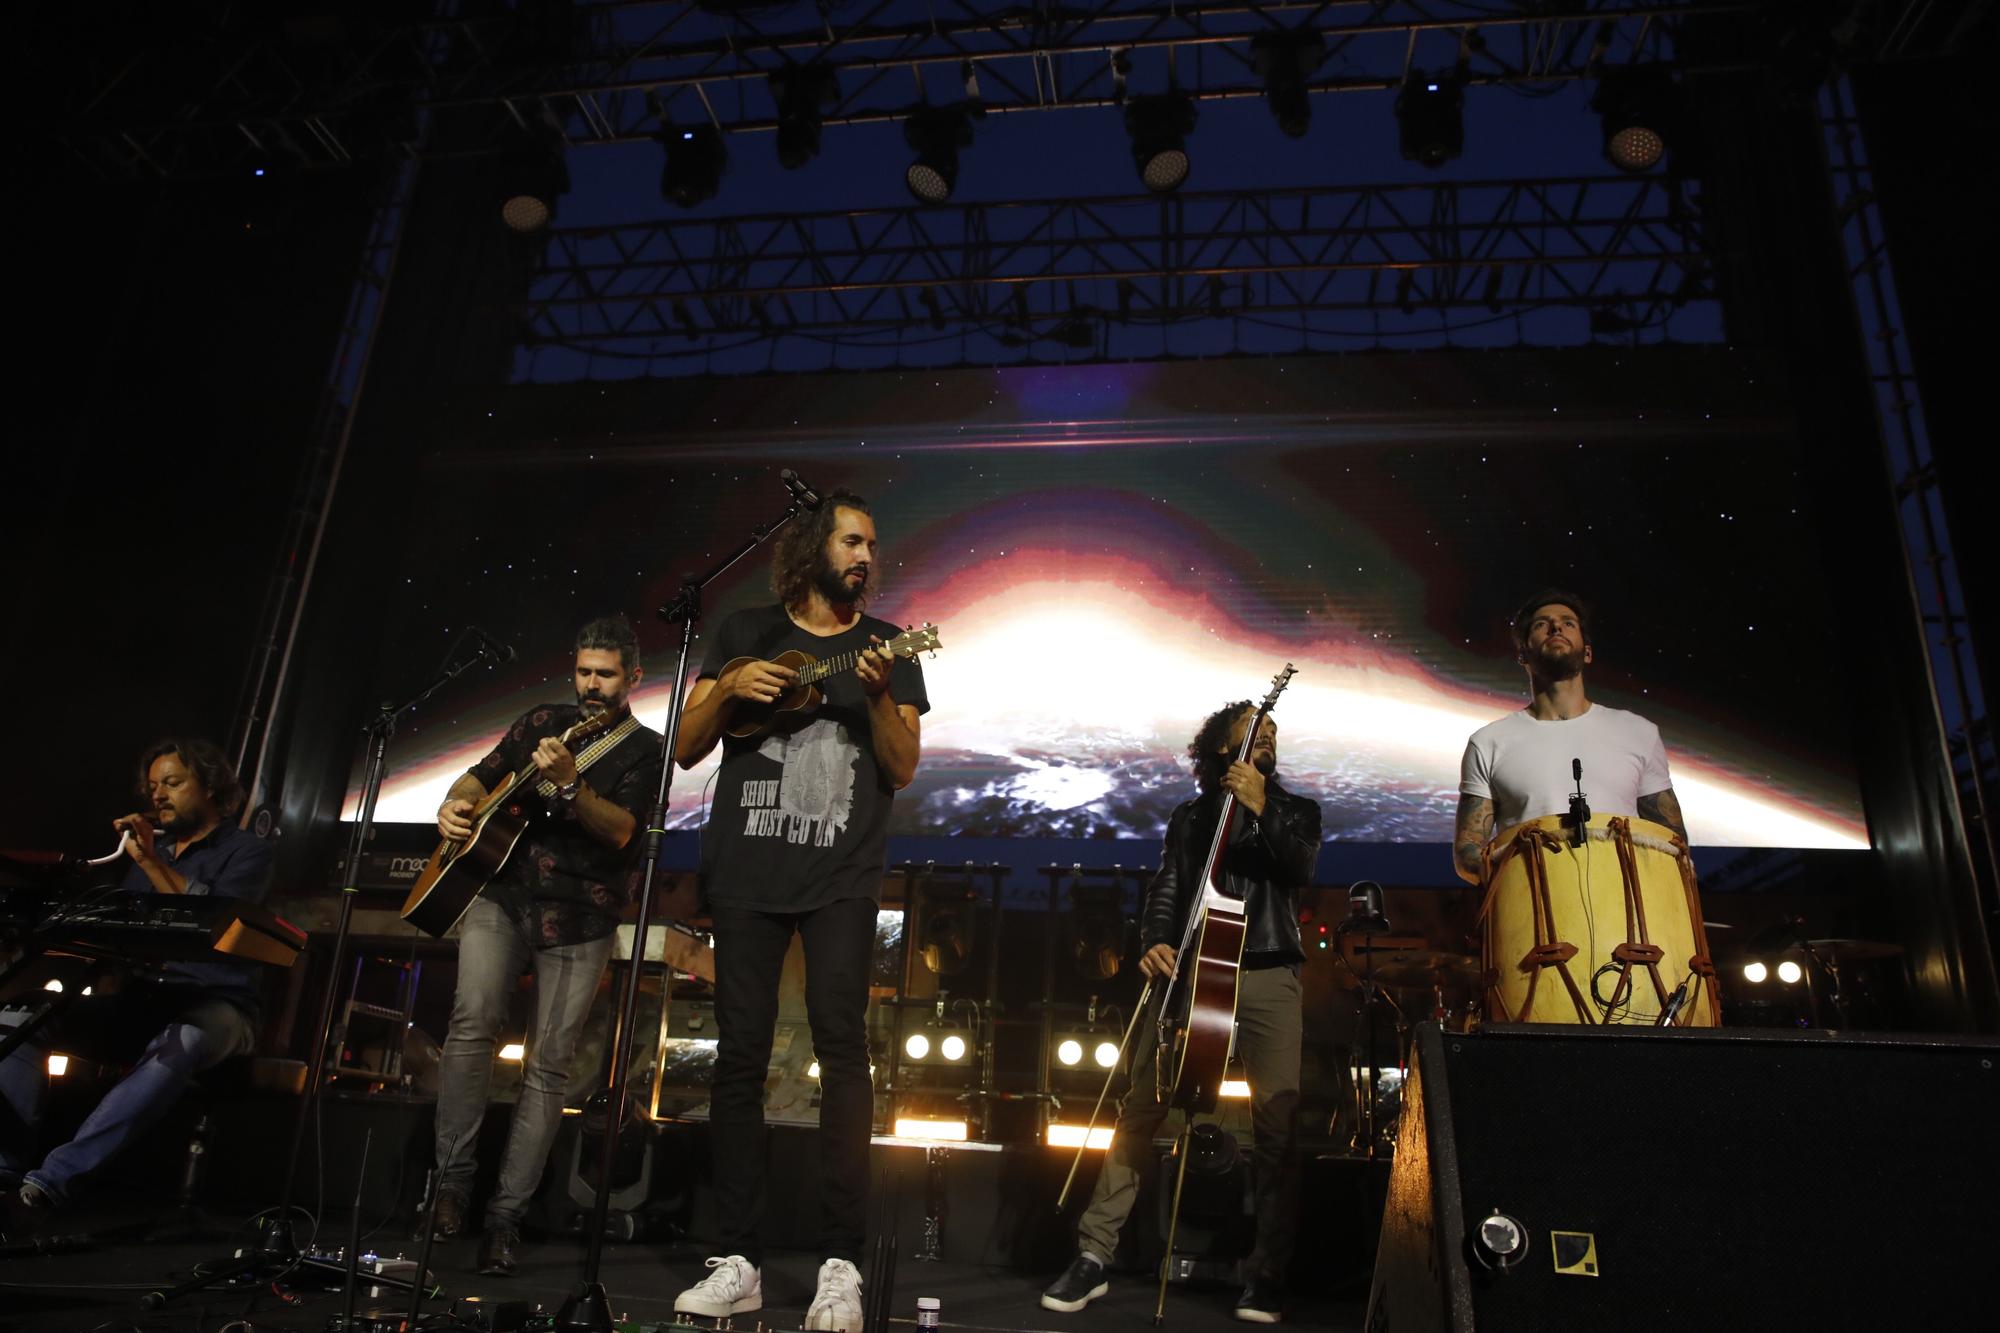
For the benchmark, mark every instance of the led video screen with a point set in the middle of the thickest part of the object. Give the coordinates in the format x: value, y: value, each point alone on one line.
x: 1105, y: 571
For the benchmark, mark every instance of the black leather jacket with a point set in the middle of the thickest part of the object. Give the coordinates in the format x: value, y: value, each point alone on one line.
x: 1267, y: 864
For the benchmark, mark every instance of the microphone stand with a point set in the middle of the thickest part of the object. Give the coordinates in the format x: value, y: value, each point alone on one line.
x: 588, y: 1306
x: 276, y: 1252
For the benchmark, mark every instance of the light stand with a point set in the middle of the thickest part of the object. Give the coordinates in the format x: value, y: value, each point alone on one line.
x: 276, y: 1252
x: 589, y: 1305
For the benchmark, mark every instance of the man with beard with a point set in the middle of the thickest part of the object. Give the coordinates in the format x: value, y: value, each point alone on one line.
x: 1271, y: 857
x: 183, y: 843
x: 553, y: 909
x: 796, y: 841
x: 1519, y: 767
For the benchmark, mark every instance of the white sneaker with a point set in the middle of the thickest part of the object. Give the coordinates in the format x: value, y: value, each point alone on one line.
x: 837, y: 1303
x: 731, y: 1287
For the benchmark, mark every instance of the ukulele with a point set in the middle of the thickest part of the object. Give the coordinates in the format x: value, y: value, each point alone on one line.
x: 1198, y: 1013
x: 458, y: 870
x: 754, y: 719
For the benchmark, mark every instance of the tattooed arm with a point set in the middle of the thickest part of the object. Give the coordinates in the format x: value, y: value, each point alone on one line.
x: 1663, y: 808
x: 1475, y: 827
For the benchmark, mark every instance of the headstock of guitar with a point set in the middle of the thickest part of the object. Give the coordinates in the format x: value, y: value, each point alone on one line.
x: 586, y: 727
x: 921, y: 639
x: 1278, y: 683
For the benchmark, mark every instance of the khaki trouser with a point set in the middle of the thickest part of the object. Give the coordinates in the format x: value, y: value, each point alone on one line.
x: 1268, y: 1027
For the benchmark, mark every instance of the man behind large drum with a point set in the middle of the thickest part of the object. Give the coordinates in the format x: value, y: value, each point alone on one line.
x: 1522, y: 767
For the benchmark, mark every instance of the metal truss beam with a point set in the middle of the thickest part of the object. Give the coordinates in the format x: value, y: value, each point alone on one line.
x: 324, y: 95
x: 1629, y: 248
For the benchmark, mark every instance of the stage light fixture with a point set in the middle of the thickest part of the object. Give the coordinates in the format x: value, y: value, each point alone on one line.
x: 947, y: 931
x: 1106, y: 1054
x: 803, y: 94
x: 53, y: 984
x: 1096, y: 911
x: 533, y: 176
x: 1789, y: 972
x: 58, y: 1065
x: 1060, y: 1135
x: 1234, y: 1087
x: 1430, y: 118
x: 1285, y: 61
x: 1754, y: 973
x: 812, y: 1070
x: 936, y: 134
x: 1070, y: 1052
x: 952, y: 1047
x: 1637, y: 109
x: 1158, y: 127
x: 696, y: 156
x: 513, y: 1050
x: 917, y: 1046
x: 924, y: 1130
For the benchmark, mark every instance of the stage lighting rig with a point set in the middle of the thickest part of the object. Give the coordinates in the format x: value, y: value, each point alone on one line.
x: 1285, y: 61
x: 803, y: 94
x: 1158, y: 127
x: 1430, y: 118
x: 936, y: 134
x: 533, y: 176
x: 1097, y: 911
x: 696, y: 155
x: 947, y: 932
x: 1638, y: 109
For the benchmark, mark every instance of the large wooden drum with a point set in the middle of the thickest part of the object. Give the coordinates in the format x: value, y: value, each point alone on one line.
x: 1600, y: 934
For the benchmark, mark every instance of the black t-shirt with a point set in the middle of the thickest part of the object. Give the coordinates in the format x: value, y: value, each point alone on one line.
x: 563, y: 885
x: 800, y: 816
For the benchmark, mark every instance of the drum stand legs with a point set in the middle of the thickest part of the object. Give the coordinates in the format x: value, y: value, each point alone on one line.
x: 1181, y: 1146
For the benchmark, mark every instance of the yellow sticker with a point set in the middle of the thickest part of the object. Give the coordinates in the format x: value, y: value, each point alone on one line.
x: 1575, y: 1252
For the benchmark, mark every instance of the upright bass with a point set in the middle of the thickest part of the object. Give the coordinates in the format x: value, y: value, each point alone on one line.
x: 1197, y: 1023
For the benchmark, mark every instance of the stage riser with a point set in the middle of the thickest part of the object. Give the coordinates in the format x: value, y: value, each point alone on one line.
x: 1728, y: 1179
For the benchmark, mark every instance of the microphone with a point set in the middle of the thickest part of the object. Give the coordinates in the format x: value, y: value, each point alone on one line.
x: 802, y: 494
x: 1579, y: 806
x: 504, y: 652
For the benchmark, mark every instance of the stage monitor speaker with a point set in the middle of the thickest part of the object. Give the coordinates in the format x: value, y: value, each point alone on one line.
x: 1636, y: 1178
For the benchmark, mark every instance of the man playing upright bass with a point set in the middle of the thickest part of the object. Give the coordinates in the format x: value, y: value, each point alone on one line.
x: 1270, y: 858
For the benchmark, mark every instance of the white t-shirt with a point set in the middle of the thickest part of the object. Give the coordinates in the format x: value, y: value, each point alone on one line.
x: 1522, y: 764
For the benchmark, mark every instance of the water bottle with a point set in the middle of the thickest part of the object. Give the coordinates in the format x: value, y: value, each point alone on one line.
x: 929, y: 1312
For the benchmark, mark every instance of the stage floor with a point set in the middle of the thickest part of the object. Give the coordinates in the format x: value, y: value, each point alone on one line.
x: 99, y: 1288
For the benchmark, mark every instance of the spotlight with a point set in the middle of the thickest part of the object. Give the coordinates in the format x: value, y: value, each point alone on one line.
x: 53, y: 984
x: 936, y: 134
x: 1636, y: 106
x: 1159, y: 127
x: 532, y: 178
x: 952, y: 1047
x: 917, y: 1046
x: 1060, y: 1135
x: 696, y: 158
x: 812, y: 1070
x: 1070, y: 1052
x: 1106, y: 1054
x: 58, y: 1065
x: 803, y: 94
x: 1285, y: 61
x: 1234, y: 1087
x: 1430, y: 118
x: 1754, y: 973
x: 927, y: 1130
x: 1789, y: 972
x: 513, y: 1050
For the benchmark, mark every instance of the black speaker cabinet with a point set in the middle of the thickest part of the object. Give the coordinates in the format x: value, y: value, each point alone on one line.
x: 1570, y: 1178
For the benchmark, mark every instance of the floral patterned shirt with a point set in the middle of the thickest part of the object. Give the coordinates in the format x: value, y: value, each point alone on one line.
x: 561, y: 884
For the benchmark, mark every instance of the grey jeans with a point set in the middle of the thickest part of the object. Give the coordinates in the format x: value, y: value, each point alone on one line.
x: 493, y: 952
x: 1269, y: 1026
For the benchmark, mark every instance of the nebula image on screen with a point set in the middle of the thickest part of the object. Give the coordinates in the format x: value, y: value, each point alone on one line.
x: 1104, y: 574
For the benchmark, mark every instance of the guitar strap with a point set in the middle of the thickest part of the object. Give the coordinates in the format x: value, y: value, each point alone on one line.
x: 593, y: 752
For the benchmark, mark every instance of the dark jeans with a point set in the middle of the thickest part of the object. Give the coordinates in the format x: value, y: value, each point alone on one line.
x: 749, y: 958
x: 167, y: 1034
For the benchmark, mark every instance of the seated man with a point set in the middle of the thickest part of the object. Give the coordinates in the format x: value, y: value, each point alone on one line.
x: 174, y: 1021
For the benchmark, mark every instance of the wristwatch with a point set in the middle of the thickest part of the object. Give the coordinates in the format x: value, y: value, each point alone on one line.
x: 567, y: 792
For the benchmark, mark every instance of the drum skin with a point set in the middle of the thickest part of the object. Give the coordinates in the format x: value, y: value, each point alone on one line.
x: 1556, y: 915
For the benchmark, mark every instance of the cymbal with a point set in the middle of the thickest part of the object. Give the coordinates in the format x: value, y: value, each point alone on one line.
x: 1850, y: 951
x: 1427, y: 967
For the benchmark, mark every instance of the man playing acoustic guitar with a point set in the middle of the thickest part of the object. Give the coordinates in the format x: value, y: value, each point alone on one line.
x: 796, y: 840
x: 553, y: 908
x: 1270, y: 858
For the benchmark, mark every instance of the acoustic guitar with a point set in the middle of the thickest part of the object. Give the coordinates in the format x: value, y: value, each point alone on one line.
x: 1198, y: 1012
x: 458, y: 870
x: 754, y: 719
